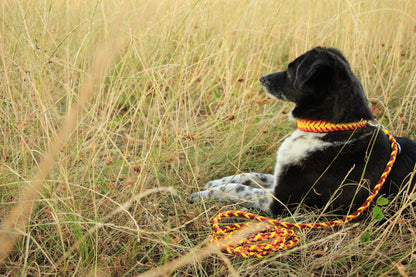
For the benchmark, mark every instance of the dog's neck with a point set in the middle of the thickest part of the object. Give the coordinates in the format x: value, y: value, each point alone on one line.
x: 327, y: 127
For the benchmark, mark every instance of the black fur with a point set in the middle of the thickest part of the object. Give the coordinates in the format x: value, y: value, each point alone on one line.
x: 323, y: 87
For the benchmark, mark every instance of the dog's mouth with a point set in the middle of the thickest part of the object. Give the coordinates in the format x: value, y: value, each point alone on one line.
x: 270, y: 91
x: 279, y: 95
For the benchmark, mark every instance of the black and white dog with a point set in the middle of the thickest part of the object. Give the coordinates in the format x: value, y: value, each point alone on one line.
x: 334, y: 170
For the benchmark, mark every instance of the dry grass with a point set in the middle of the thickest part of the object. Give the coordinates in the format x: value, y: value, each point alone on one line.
x: 175, y: 102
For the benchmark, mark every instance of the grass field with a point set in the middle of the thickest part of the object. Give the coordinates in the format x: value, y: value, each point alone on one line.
x: 113, y: 112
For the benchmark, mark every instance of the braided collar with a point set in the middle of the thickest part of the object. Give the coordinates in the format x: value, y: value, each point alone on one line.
x: 327, y: 127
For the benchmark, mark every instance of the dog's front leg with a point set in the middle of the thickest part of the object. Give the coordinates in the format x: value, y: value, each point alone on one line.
x: 253, y: 189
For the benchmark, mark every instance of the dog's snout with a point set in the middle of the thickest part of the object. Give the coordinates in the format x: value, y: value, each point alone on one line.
x: 264, y: 79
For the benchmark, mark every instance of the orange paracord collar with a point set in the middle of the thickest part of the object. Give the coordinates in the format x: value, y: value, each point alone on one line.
x: 280, y: 235
x: 327, y: 127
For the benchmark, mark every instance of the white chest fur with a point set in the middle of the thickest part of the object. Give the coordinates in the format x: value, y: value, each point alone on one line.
x: 296, y: 148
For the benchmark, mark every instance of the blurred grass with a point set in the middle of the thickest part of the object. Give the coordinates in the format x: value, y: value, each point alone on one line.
x: 181, y: 106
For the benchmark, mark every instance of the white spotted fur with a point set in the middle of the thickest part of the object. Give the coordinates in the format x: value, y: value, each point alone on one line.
x: 296, y: 148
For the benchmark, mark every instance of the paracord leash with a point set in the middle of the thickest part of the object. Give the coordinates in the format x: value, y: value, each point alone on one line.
x: 281, y: 235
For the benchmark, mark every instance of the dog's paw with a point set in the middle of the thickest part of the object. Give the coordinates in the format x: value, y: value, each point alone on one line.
x: 200, y: 195
x: 194, y: 197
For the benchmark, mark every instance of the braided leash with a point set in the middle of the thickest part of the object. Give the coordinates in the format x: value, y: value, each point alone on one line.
x: 281, y: 235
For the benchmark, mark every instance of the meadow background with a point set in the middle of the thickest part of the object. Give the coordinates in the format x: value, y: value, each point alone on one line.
x: 115, y: 111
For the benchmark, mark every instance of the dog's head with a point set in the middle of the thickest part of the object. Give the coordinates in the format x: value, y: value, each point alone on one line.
x: 323, y: 87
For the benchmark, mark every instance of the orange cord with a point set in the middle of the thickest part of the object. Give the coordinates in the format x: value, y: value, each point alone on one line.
x: 326, y: 127
x: 277, y: 234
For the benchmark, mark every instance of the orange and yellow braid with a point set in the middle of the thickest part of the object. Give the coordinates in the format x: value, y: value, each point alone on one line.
x: 277, y: 234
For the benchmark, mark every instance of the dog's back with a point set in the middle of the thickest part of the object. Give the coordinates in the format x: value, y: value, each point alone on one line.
x: 404, y: 167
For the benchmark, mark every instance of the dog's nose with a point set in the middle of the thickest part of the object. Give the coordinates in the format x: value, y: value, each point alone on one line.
x: 263, y: 79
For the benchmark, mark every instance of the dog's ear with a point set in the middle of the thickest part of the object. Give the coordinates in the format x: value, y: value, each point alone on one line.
x: 306, y: 73
x: 320, y: 74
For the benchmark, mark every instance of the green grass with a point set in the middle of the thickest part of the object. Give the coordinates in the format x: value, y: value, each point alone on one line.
x: 179, y: 104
